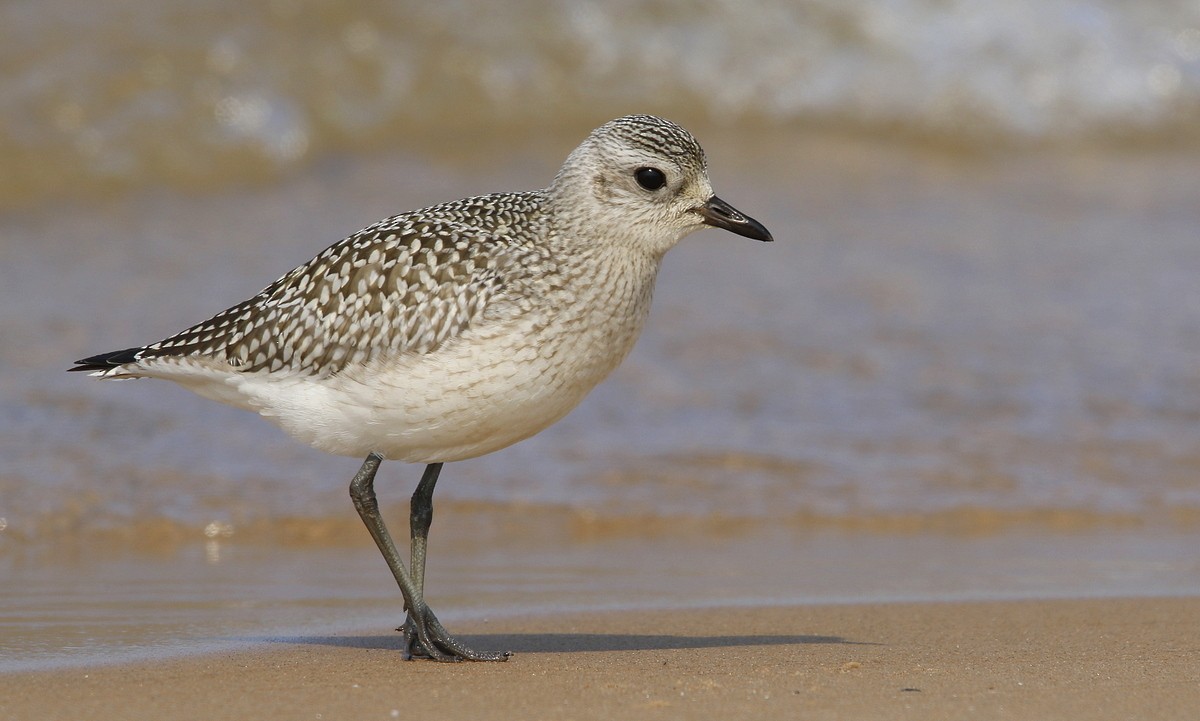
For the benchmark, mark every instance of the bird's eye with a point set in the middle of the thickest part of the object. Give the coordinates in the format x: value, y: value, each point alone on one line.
x: 650, y: 178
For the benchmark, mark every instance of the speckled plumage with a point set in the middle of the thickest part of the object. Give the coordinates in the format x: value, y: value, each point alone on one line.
x: 456, y: 330
x: 403, y: 285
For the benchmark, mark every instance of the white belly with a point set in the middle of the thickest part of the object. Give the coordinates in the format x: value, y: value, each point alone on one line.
x: 476, y: 394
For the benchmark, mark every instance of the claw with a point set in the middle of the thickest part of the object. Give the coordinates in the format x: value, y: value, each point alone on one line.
x: 428, y: 639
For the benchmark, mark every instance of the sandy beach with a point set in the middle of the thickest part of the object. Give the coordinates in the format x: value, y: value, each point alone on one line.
x: 1059, y: 659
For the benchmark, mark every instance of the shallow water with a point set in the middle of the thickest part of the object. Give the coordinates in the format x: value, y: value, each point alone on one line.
x: 218, y: 596
x: 995, y: 340
x: 966, y: 369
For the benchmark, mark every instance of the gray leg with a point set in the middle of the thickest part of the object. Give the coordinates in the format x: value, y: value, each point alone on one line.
x: 422, y: 628
x: 420, y: 517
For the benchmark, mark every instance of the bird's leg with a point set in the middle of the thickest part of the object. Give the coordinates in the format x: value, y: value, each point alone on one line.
x: 422, y: 627
x: 362, y: 492
x: 420, y: 518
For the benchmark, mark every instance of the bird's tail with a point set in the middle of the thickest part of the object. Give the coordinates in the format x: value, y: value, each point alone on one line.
x: 104, y: 364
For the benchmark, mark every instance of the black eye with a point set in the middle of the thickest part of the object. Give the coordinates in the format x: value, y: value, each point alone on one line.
x: 650, y: 178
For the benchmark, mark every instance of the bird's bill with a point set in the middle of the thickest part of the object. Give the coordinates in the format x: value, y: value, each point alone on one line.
x: 719, y: 214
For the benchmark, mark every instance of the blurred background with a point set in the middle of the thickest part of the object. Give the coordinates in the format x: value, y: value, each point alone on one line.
x: 122, y: 94
x: 966, y: 369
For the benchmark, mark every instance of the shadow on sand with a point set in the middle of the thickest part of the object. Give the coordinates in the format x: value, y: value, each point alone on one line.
x: 570, y: 642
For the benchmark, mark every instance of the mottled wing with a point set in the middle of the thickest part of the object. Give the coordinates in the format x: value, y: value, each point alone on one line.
x: 404, y: 285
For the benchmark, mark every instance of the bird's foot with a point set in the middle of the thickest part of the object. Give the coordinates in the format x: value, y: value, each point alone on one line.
x: 428, y: 639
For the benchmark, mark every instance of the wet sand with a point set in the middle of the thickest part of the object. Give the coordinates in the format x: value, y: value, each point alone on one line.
x: 1065, y: 659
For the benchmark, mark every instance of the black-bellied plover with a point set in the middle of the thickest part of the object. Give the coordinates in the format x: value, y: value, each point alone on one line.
x: 456, y: 330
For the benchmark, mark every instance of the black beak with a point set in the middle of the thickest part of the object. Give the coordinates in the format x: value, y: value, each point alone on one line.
x: 719, y: 214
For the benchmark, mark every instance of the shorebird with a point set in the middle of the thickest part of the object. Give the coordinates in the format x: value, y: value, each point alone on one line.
x: 454, y: 331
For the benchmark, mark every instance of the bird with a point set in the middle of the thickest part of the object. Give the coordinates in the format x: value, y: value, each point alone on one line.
x: 456, y: 330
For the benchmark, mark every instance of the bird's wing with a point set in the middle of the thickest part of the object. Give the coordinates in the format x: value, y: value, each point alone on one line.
x: 404, y: 285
